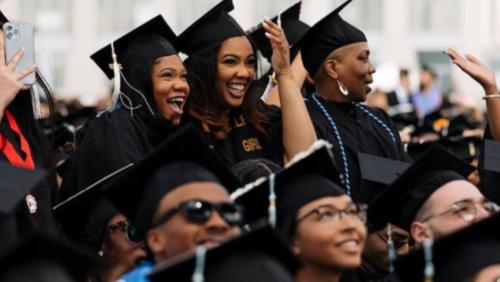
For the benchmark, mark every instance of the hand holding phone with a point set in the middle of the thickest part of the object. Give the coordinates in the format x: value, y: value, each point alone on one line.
x: 19, y: 36
x: 11, y: 81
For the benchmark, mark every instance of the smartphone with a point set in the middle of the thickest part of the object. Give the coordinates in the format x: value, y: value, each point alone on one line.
x: 16, y: 36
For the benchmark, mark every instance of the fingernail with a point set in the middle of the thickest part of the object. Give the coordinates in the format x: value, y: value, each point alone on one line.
x: 268, y: 35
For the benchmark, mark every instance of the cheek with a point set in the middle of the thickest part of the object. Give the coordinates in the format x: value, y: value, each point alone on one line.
x: 316, y: 239
x: 182, y: 233
x: 161, y: 89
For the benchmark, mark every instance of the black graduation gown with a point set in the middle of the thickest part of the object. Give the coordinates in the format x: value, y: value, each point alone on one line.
x: 244, y: 143
x: 359, y: 133
x: 111, y: 141
x: 22, y: 220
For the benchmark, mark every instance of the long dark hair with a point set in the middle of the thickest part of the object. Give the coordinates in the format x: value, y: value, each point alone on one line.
x: 206, y: 104
x: 139, y: 77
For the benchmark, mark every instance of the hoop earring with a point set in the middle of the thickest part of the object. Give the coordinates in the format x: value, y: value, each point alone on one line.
x: 342, y: 88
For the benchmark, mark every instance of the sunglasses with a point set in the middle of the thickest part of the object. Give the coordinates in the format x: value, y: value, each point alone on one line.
x: 126, y: 227
x: 199, y: 212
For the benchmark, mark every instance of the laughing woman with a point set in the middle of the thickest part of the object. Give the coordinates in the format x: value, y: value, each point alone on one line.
x: 149, y: 105
x: 223, y: 101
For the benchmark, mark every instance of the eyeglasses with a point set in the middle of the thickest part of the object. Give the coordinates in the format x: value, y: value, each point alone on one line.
x: 130, y: 231
x: 466, y: 209
x: 399, y: 240
x: 199, y: 212
x: 329, y: 213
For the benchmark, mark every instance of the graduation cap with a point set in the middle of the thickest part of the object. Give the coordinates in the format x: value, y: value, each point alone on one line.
x: 213, y: 27
x: 60, y: 261
x: 85, y: 215
x: 467, y: 148
x: 401, y: 200
x: 458, y: 256
x: 151, y: 40
x: 15, y: 182
x: 3, y: 18
x: 327, y: 35
x: 294, y: 29
x: 490, y: 181
x: 258, y: 255
x: 491, y: 155
x: 184, y: 157
x: 313, y: 176
x: 380, y: 170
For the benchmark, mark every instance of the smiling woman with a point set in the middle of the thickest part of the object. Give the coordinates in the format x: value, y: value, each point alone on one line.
x: 224, y: 101
x: 149, y: 104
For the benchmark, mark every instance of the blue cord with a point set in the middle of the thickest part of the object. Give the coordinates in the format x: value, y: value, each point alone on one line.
x: 378, y: 120
x: 345, y: 179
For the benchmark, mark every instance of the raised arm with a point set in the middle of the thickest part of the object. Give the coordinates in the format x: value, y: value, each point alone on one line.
x: 299, y: 74
x: 486, y: 78
x: 298, y: 130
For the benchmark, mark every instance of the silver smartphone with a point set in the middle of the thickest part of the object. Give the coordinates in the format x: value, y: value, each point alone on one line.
x: 16, y: 36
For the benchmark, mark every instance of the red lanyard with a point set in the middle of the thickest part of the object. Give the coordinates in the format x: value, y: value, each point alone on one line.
x: 10, y: 152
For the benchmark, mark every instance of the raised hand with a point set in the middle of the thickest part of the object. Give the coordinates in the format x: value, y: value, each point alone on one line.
x: 281, y: 52
x: 475, y: 69
x: 10, y: 83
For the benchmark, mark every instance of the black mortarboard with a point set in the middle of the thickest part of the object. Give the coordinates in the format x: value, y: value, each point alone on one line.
x: 294, y: 29
x: 34, y: 249
x: 400, y: 202
x: 457, y: 257
x: 381, y: 170
x: 184, y: 157
x: 258, y: 255
x: 467, y: 148
x: 15, y: 182
x: 252, y: 169
x: 3, y: 18
x: 151, y: 40
x: 213, y: 27
x: 492, y: 155
x: 85, y: 216
x: 312, y: 177
x: 327, y: 35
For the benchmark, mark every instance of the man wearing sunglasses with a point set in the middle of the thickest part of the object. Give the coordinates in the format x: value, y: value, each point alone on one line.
x: 196, y: 211
x: 432, y: 198
x: 177, y: 199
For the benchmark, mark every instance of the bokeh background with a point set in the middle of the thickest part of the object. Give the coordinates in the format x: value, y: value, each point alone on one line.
x: 401, y: 33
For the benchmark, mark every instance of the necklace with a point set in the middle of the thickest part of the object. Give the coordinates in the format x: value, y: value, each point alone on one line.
x: 345, y: 177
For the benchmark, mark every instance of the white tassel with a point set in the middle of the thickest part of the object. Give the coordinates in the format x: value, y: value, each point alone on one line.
x: 267, y: 91
x: 35, y: 101
x: 117, y: 77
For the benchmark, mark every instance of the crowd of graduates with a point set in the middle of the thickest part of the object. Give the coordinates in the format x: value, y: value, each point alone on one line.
x: 204, y: 169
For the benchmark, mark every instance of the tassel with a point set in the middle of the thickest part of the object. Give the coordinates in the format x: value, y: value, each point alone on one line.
x: 429, y: 265
x: 117, y: 77
x: 390, y: 248
x: 198, y: 274
x: 267, y: 91
x: 272, y: 201
x: 35, y: 102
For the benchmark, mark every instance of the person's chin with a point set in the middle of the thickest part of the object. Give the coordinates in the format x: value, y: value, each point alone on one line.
x: 234, y: 102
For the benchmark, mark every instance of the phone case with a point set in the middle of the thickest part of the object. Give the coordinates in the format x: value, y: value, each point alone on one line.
x: 16, y: 36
